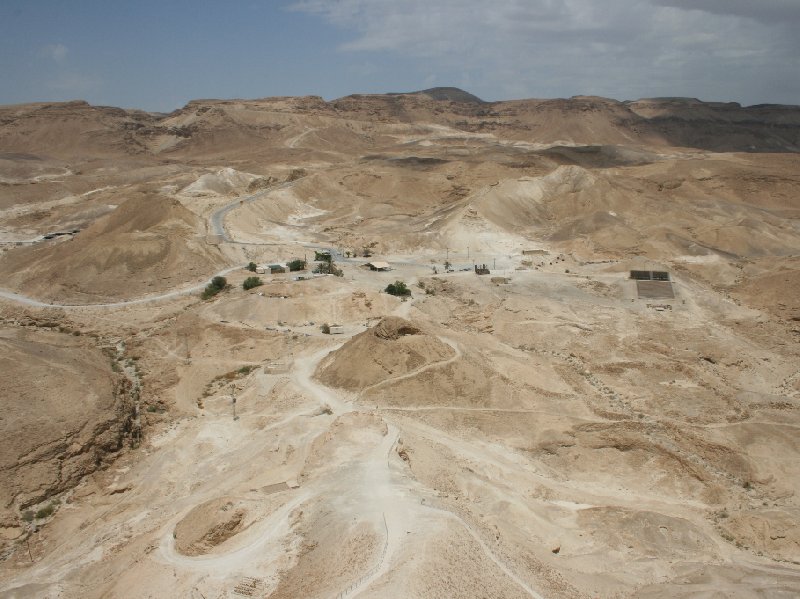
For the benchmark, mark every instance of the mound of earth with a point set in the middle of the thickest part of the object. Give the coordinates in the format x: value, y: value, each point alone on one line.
x: 393, y: 348
x: 772, y: 532
x: 148, y: 244
x: 208, y: 525
x: 223, y: 182
x: 61, y: 417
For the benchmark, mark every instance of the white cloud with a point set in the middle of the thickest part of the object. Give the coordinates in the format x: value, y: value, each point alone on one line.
x: 56, y: 52
x: 618, y: 48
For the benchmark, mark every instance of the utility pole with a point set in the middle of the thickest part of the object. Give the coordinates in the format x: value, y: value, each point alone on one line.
x: 494, y: 266
x: 467, y: 252
x: 233, y: 401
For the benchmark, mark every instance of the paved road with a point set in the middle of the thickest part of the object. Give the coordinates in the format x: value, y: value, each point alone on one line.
x: 217, y: 226
x: 217, y: 223
x: 218, y: 216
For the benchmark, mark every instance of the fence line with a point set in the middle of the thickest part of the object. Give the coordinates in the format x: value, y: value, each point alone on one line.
x: 372, y: 571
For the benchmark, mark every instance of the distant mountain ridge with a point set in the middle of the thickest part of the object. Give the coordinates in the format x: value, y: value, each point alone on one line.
x: 449, y: 94
x: 238, y: 127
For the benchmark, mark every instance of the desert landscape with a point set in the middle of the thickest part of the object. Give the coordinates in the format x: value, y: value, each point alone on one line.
x: 586, y: 383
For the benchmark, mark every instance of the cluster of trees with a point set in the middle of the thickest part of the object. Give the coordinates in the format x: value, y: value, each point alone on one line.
x: 325, y: 266
x: 216, y: 285
x: 296, y: 264
x: 251, y: 282
x: 328, y: 268
x: 398, y: 288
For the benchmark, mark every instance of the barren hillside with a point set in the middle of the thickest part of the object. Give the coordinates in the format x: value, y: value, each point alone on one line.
x: 533, y: 420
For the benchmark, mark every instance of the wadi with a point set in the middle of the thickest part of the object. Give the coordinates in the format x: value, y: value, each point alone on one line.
x: 400, y: 345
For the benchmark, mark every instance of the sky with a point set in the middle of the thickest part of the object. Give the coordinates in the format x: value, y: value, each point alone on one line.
x: 158, y: 55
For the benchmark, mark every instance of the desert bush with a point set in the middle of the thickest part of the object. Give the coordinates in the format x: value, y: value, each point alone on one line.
x: 251, y: 282
x: 326, y: 329
x: 328, y: 268
x: 296, y: 264
x: 398, y: 288
x: 252, y: 267
x: 46, y: 511
x: 322, y: 256
x: 216, y: 285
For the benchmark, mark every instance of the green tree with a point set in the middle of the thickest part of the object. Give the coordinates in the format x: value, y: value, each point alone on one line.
x: 252, y: 267
x: 398, y: 288
x: 322, y: 256
x: 296, y: 264
x: 328, y: 268
x: 251, y: 282
x: 216, y: 285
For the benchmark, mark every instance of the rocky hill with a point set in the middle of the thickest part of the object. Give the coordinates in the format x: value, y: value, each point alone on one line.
x: 533, y: 420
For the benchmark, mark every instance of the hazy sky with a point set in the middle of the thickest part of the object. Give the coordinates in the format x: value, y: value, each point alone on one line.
x: 157, y: 55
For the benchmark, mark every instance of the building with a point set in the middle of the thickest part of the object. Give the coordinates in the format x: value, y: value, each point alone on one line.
x: 276, y: 269
x: 380, y: 266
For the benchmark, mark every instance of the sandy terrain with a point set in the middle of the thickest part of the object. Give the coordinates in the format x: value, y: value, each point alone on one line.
x: 541, y: 431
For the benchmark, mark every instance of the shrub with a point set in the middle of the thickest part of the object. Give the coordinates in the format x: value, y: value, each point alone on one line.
x: 46, y: 511
x: 322, y: 256
x: 326, y: 329
x: 251, y: 282
x: 296, y: 264
x: 216, y: 285
x: 398, y: 288
x: 252, y: 267
x: 328, y: 268
x: 27, y: 516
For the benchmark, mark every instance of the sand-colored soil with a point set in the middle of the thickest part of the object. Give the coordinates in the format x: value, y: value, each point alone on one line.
x: 538, y: 432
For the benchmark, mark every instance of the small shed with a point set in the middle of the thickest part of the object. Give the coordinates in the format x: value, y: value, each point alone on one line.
x: 380, y: 266
x: 276, y: 269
